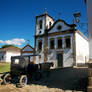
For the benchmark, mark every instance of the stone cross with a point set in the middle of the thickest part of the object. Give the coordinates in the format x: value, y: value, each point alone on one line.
x: 27, y: 42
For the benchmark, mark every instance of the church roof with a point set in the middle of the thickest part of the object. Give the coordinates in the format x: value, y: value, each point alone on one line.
x: 27, y: 46
x: 27, y: 49
x: 60, y: 20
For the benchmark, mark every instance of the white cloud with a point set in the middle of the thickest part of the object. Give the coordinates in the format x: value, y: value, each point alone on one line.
x: 15, y: 41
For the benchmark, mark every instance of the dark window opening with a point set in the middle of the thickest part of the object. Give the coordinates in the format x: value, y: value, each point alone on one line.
x: 40, y: 24
x: 59, y: 43
x: 68, y: 42
x: 39, y: 31
x: 59, y: 27
x: 52, y: 44
x: 40, y: 45
x: 50, y: 24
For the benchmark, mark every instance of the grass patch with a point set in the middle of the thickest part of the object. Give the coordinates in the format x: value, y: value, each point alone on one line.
x: 4, y: 67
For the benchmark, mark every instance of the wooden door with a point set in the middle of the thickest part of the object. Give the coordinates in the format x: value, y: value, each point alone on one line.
x: 60, y: 59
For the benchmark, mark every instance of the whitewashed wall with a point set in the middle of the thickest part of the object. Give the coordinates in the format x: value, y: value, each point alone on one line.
x: 67, y: 53
x: 45, y: 23
x: 41, y: 52
x: 43, y: 26
x: 82, y: 49
x: 11, y: 53
x: 48, y: 19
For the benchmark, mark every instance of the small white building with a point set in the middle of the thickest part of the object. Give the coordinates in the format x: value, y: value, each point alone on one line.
x: 28, y: 50
x: 6, y: 53
x: 59, y: 42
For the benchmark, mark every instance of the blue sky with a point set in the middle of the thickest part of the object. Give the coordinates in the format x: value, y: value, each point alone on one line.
x: 17, y: 17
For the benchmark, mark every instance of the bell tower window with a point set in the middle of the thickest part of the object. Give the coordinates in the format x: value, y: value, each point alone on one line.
x: 40, y: 45
x: 50, y: 24
x: 40, y: 24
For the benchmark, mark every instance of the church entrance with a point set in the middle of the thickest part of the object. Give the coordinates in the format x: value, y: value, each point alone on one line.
x: 59, y: 60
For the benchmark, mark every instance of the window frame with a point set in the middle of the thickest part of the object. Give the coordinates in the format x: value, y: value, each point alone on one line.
x: 50, y: 24
x: 67, y: 37
x: 52, y: 39
x: 59, y: 38
x: 40, y: 24
x: 39, y: 46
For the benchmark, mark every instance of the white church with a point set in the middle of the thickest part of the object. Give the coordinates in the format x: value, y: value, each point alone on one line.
x: 59, y: 42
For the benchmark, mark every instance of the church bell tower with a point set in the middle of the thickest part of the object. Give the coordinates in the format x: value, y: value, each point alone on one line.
x: 43, y: 22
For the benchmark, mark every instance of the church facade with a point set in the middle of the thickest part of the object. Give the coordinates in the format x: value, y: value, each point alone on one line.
x: 59, y: 42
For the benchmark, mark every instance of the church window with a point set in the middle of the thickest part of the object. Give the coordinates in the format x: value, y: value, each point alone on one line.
x: 40, y: 45
x: 40, y: 32
x: 68, y: 42
x: 40, y: 24
x: 50, y: 24
x: 59, y: 43
x: 52, y: 43
x: 59, y: 27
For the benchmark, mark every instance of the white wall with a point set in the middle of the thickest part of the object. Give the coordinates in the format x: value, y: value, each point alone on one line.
x: 45, y: 22
x: 82, y: 49
x: 43, y: 25
x: 52, y: 54
x: 48, y: 19
x: 11, y: 53
x: 67, y: 53
x: 41, y: 52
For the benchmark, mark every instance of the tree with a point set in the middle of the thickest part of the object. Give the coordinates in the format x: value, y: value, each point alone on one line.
x: 5, y: 46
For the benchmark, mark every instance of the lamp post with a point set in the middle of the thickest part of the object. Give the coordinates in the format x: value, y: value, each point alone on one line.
x: 82, y: 26
x: 77, y: 16
x: 76, y: 20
